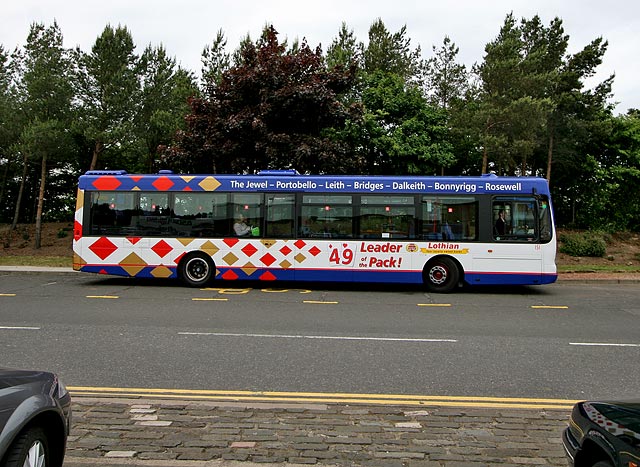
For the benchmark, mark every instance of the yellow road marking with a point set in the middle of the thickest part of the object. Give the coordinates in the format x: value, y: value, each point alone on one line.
x: 210, y: 299
x: 7, y: 295
x: 315, y: 397
x: 435, y: 304
x: 552, y: 307
x: 103, y: 296
x: 319, y: 302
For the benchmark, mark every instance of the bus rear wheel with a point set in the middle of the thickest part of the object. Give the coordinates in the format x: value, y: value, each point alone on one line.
x: 441, y: 275
x: 196, y: 269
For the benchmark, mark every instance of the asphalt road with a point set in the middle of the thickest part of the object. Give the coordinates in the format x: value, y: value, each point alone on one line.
x: 568, y: 341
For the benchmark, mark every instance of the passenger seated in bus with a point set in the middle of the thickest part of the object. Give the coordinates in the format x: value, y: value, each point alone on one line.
x: 447, y: 234
x: 240, y: 227
x: 305, y: 230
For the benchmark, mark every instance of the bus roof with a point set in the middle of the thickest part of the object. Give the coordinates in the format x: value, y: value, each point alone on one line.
x: 291, y: 181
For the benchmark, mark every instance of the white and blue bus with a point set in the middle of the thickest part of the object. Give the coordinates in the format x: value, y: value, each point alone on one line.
x: 280, y: 225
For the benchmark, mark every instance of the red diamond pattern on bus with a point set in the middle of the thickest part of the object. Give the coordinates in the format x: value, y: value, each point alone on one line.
x: 230, y: 241
x: 108, y: 182
x: 133, y: 240
x: 249, y: 249
x: 103, y: 247
x: 162, y: 248
x: 229, y: 275
x: 285, y: 250
x: 162, y: 184
x: 315, y: 251
x: 268, y: 259
x: 77, y: 230
x: 267, y: 276
x: 300, y: 244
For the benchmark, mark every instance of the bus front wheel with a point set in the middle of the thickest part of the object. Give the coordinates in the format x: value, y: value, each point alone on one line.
x: 197, y: 269
x: 441, y: 275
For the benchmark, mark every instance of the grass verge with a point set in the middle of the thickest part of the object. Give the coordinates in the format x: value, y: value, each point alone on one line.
x: 44, y: 261
x: 598, y: 268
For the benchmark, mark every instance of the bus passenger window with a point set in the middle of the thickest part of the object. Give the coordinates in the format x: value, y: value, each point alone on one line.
x: 280, y: 215
x: 449, y: 217
x: 249, y: 205
x: 326, y: 216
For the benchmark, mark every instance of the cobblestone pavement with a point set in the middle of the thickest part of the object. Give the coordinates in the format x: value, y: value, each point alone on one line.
x: 124, y: 432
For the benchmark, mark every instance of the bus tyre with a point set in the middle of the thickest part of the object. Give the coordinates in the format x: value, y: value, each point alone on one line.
x: 441, y: 275
x: 196, y: 269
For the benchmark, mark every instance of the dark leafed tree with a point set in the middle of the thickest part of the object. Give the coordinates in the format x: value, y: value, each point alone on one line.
x: 108, y: 91
x: 273, y: 109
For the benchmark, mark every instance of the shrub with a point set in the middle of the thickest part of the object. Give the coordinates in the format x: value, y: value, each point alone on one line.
x: 583, y: 244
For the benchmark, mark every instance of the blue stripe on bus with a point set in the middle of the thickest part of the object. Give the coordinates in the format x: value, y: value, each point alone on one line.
x: 334, y: 275
x: 508, y: 278
x: 313, y: 184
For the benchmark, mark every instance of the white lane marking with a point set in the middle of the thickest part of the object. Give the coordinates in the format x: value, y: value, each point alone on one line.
x: 293, y: 336
x: 27, y: 328
x: 603, y: 344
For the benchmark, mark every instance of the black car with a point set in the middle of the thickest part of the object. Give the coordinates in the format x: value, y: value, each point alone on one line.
x: 35, y: 417
x: 603, y: 434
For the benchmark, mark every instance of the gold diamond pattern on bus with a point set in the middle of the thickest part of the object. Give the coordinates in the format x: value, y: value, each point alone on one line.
x: 161, y: 272
x: 209, y: 184
x: 249, y: 269
x: 230, y: 259
x: 133, y: 264
x: 78, y: 260
x: 186, y: 241
x: 209, y: 248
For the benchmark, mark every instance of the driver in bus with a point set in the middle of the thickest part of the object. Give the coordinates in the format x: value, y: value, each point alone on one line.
x: 240, y: 227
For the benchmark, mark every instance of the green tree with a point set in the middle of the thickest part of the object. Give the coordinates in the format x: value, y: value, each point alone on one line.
x: 511, y: 110
x: 215, y: 61
x: 446, y: 80
x: 163, y: 105
x: 401, y: 132
x: 46, y: 93
x: 344, y: 50
x: 391, y: 53
x: 109, y: 92
x: 11, y: 120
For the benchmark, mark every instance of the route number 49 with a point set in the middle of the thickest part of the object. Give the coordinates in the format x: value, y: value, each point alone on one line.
x: 340, y: 255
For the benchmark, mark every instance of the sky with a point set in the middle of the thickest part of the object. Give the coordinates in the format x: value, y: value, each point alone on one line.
x: 184, y: 28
